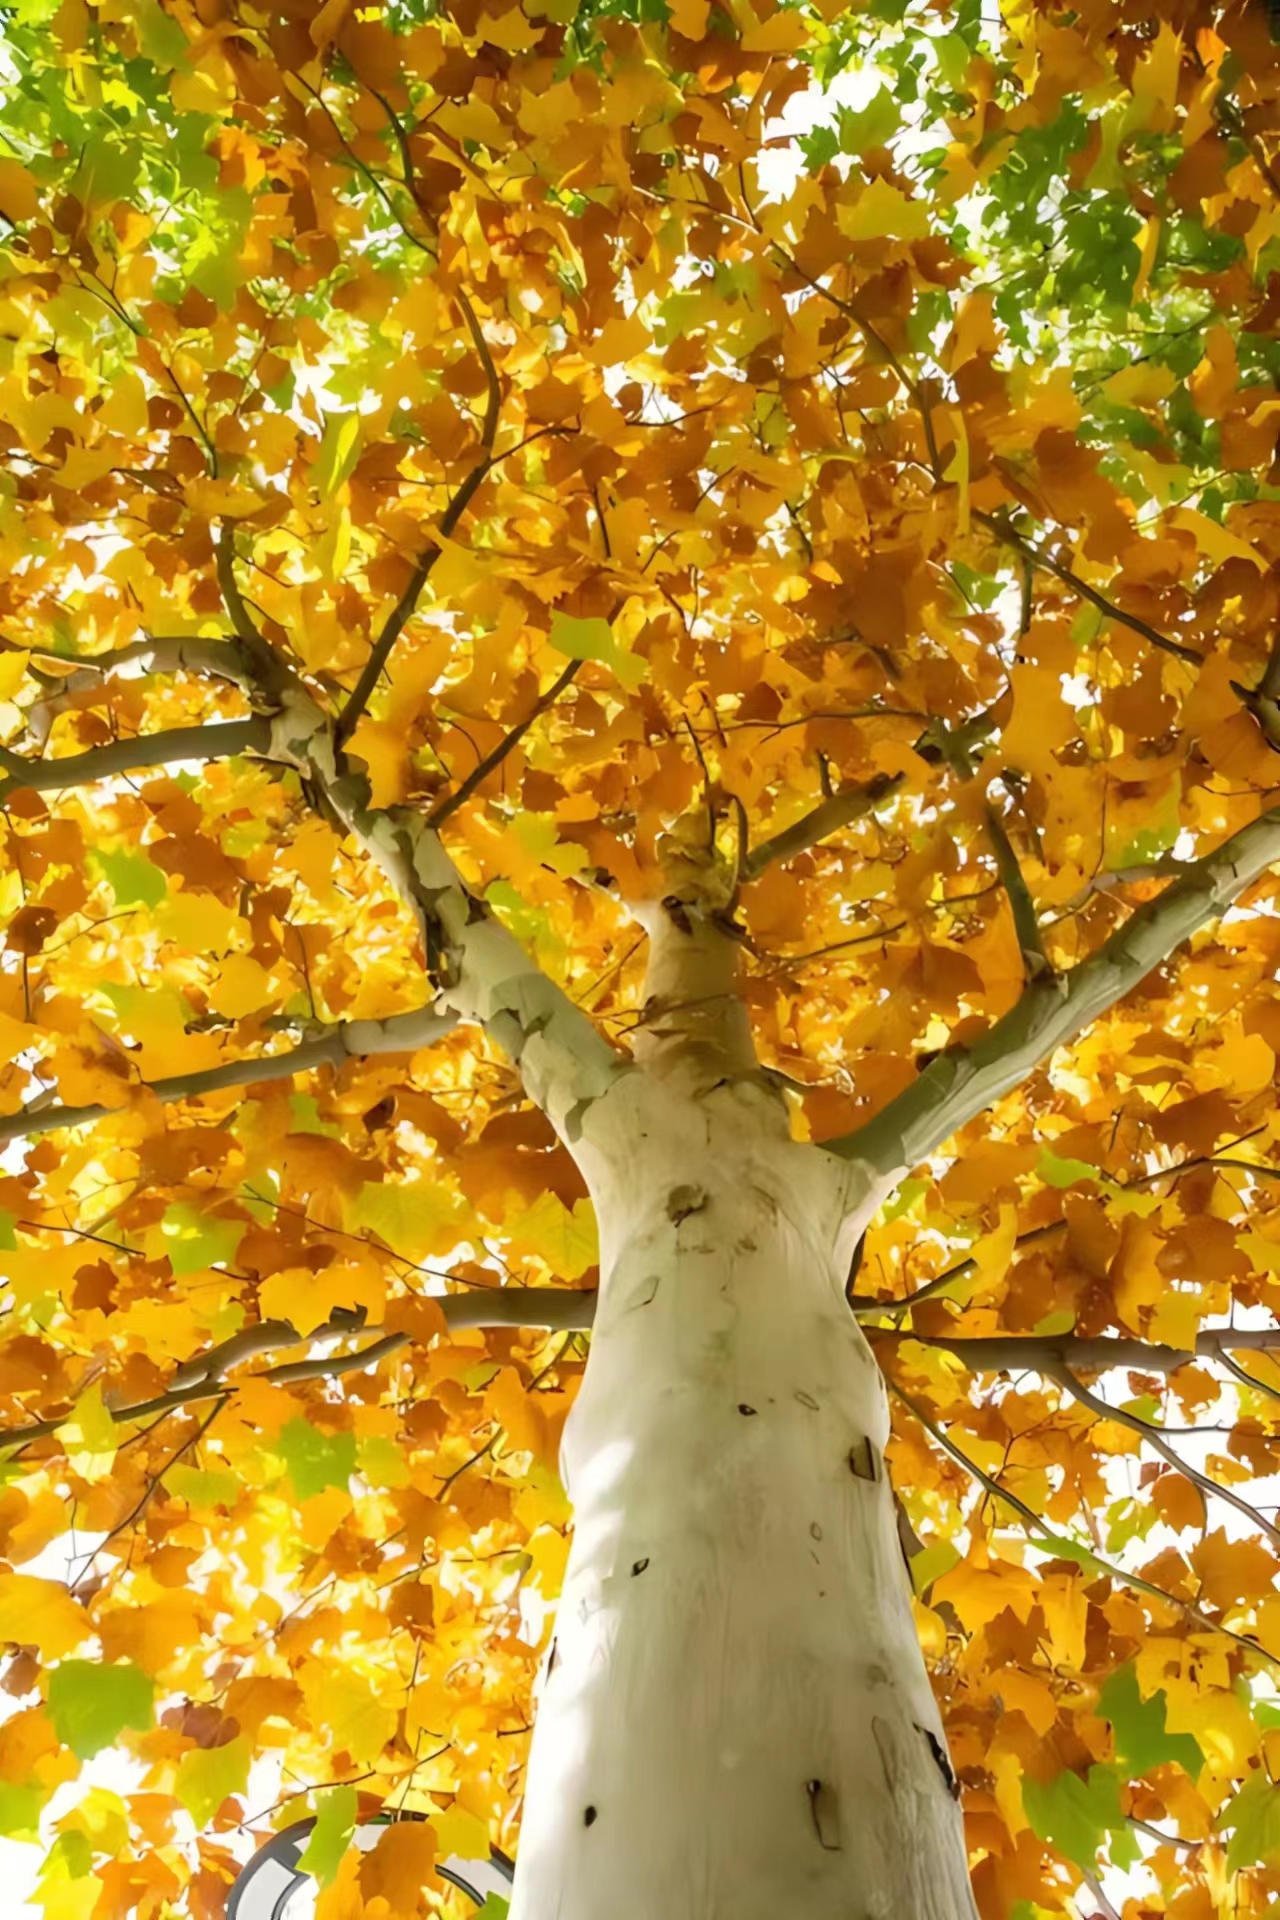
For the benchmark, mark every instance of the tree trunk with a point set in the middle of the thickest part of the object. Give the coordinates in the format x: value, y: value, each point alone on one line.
x: 736, y: 1721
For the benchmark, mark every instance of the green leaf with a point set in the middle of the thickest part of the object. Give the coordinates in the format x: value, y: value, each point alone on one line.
x: 1057, y: 1172
x: 594, y: 640
x: 20, y: 1811
x: 194, y: 1240
x: 69, y: 1858
x: 212, y: 261
x: 1139, y: 1726
x: 381, y: 1461
x: 209, y: 1775
x: 1075, y: 1815
x: 316, y: 1460
x: 937, y: 1558
x: 567, y: 1241
x: 331, y: 1835
x: 339, y: 451
x: 134, y: 880
x: 903, y: 1200
x: 90, y: 1704
x: 8, y: 1239
x: 200, y: 1488
x: 1255, y: 1816
x: 494, y: 1908
x: 874, y: 125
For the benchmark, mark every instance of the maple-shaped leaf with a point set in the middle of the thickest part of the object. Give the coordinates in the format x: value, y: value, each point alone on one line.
x: 595, y: 639
x: 315, y: 1460
x: 209, y: 1775
x: 331, y: 1835
x: 91, y: 1704
x: 1139, y: 1726
x: 1073, y: 1814
x: 42, y: 1614
x: 1253, y: 1820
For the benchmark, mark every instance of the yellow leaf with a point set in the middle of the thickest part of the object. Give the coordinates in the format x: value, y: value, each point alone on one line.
x: 957, y: 469
x: 782, y: 32
x: 90, y: 1436
x: 566, y: 1241
x: 689, y: 17
x: 243, y: 987
x: 19, y: 191
x: 1155, y: 82
x: 346, y: 1706
x: 306, y: 1299
x: 883, y: 212
x: 13, y: 667
x: 42, y: 1614
x: 329, y: 21
x: 1216, y: 541
x: 1041, y: 719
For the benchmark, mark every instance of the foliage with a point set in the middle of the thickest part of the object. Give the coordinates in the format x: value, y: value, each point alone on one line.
x: 612, y: 413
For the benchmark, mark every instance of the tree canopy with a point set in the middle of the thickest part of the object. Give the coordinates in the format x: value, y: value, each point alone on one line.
x: 842, y: 438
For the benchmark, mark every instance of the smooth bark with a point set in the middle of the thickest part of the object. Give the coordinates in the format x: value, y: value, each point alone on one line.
x: 736, y: 1721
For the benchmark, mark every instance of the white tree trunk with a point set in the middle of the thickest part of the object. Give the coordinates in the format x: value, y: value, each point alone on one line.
x: 736, y: 1722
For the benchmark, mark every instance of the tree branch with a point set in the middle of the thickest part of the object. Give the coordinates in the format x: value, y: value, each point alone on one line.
x: 218, y: 659
x: 1035, y: 961
x: 480, y: 773
x: 270, y: 672
x: 1038, y: 558
x: 219, y: 740
x: 558, y: 1309
x: 851, y: 803
x: 1148, y: 1431
x: 351, y: 1040
x: 1042, y: 1352
x: 404, y: 608
x: 963, y: 1081
x: 1043, y: 1537
x: 480, y: 970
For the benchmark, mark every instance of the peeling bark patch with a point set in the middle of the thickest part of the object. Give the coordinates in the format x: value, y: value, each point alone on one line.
x: 639, y: 1566
x: 865, y: 1461
x: 941, y: 1760
x: 825, y: 1808
x: 683, y: 1201
x: 554, y: 1659
x: 589, y: 1817
x: 744, y: 1408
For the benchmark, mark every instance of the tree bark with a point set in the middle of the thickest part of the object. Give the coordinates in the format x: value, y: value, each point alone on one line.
x: 736, y: 1722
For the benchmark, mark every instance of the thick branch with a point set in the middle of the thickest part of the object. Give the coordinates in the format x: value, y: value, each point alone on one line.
x: 851, y: 803
x: 1052, y: 1010
x: 1042, y: 1352
x: 217, y: 659
x: 217, y: 741
x: 352, y: 1040
x: 558, y: 1309
x: 480, y: 970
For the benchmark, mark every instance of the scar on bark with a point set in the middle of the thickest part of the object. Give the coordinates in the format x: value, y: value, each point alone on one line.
x: 825, y: 1808
x: 943, y: 1764
x: 683, y: 1201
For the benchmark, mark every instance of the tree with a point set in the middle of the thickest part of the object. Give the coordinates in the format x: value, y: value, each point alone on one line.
x: 641, y: 706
